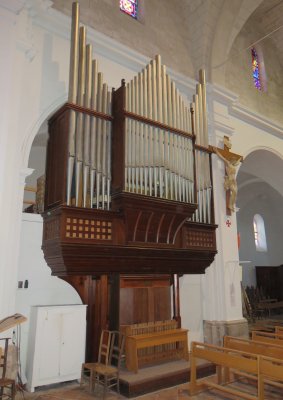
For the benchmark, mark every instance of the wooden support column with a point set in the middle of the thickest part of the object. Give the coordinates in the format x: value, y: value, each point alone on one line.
x: 114, y: 302
x: 176, y: 299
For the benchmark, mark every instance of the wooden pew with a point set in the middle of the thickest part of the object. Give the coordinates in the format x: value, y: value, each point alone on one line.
x: 266, y: 337
x: 270, y: 372
x: 251, y: 346
x: 223, y: 358
x: 265, y: 370
x: 254, y: 347
x: 279, y: 330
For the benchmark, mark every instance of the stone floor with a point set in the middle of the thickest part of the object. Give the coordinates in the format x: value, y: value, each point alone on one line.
x: 75, y: 392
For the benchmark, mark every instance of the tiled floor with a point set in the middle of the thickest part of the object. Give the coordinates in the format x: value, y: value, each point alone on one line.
x: 181, y: 392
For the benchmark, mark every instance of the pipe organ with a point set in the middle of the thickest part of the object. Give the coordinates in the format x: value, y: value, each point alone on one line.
x: 128, y: 175
x: 128, y: 185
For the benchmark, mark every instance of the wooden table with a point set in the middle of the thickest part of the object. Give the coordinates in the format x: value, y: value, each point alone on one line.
x: 147, y: 340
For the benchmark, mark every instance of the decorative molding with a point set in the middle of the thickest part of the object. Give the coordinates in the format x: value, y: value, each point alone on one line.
x: 222, y: 127
x: 236, y: 109
x: 221, y: 94
x: 251, y: 117
x: 25, y: 31
x: 216, y: 120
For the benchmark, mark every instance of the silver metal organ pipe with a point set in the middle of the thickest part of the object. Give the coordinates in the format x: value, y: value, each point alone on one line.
x: 108, y: 151
x: 155, y: 149
x: 150, y: 132
x: 139, y: 149
x: 93, y: 125
x: 86, y: 130
x: 204, y: 107
x: 146, y: 132
x: 104, y: 138
x: 159, y: 131
x: 166, y: 133
x: 133, y: 135
x: 196, y: 118
x: 79, y: 128
x: 200, y: 116
x: 136, y: 162
x: 98, y: 140
x: 127, y: 135
x: 73, y: 80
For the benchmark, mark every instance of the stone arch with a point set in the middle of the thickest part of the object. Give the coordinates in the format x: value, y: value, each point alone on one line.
x: 260, y: 192
x: 37, y: 123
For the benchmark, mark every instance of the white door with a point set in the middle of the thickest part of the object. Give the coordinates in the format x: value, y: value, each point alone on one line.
x: 49, y: 343
x: 72, y: 338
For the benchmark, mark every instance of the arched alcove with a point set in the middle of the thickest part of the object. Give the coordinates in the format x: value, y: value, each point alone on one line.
x: 260, y: 192
x: 36, y: 285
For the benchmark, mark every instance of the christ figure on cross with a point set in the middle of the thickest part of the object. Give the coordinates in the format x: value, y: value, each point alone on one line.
x: 231, y: 161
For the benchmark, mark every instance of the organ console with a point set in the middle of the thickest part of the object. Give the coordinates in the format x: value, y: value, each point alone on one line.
x: 128, y: 178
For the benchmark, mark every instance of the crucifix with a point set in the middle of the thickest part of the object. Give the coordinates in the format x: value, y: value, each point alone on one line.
x: 231, y: 161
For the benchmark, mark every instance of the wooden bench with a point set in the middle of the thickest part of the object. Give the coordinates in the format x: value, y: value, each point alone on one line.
x: 153, y: 342
x: 267, y: 337
x: 223, y: 358
x: 279, y: 330
x: 177, y: 339
x: 270, y: 372
x: 252, y: 346
x: 265, y: 370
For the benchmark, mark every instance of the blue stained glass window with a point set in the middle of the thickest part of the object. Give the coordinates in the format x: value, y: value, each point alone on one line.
x: 129, y: 7
x: 255, y: 68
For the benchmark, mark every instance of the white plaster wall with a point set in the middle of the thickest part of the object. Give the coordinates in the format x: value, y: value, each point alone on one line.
x: 253, y: 132
x: 191, y: 306
x: 43, y: 289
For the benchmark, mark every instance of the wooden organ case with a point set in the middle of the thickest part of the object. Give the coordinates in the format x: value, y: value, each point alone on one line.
x: 128, y: 197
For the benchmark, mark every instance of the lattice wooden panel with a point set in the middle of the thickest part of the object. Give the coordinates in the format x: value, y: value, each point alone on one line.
x: 83, y: 228
x: 200, y: 239
x: 52, y: 229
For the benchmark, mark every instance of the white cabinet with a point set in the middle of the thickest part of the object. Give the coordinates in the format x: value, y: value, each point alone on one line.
x: 56, y: 348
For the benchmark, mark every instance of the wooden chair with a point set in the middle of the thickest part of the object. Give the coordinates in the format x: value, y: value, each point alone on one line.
x: 7, y: 385
x: 106, y: 371
x: 103, y: 358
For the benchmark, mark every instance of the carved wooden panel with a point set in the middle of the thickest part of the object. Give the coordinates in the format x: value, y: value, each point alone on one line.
x: 51, y: 229
x: 86, y: 228
x: 150, y: 220
x: 145, y: 299
x: 199, y: 236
